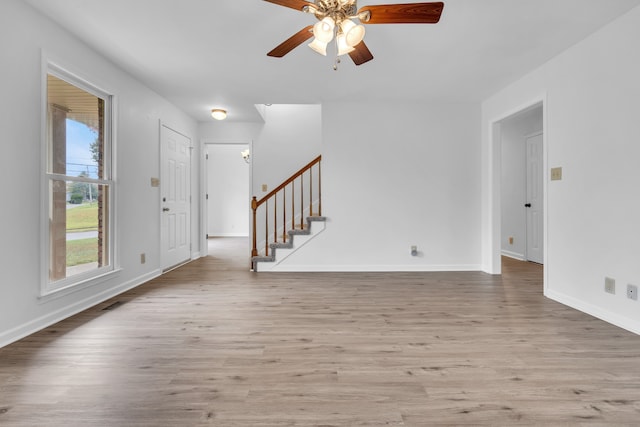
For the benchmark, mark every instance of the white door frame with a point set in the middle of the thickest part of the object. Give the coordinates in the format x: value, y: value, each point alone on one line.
x: 204, y: 211
x: 494, y: 251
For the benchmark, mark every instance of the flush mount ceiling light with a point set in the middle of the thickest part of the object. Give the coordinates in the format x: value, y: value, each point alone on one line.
x: 336, y: 22
x: 219, y: 114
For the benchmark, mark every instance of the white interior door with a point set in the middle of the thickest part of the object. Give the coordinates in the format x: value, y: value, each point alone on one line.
x: 175, y: 154
x: 534, y: 204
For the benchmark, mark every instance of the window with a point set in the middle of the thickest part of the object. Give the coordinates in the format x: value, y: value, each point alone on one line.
x: 78, y: 182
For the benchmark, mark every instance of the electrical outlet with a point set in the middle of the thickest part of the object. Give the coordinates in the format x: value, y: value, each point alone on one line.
x: 511, y: 240
x: 632, y: 292
x: 143, y: 258
x: 609, y: 285
x: 414, y: 251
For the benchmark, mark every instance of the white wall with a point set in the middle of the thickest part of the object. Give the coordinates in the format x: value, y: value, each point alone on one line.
x: 23, y: 33
x: 514, y: 178
x: 228, y: 189
x: 290, y: 138
x: 229, y: 132
x: 408, y: 177
x: 591, y: 131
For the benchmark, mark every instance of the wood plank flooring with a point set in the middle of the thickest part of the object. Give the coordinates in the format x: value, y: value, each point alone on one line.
x: 211, y: 344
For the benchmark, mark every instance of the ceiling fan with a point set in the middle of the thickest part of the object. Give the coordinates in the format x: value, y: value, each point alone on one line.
x: 335, y: 22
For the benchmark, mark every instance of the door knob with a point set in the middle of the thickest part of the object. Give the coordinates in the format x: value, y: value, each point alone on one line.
x: 527, y: 205
x: 165, y: 209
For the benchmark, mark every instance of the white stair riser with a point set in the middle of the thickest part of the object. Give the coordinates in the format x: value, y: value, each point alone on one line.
x: 299, y: 240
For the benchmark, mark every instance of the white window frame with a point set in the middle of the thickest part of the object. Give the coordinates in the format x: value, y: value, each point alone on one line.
x: 98, y: 275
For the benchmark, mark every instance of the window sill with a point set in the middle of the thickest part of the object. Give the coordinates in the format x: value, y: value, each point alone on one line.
x: 47, y: 295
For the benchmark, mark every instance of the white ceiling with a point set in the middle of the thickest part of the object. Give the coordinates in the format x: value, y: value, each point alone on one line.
x: 202, y: 54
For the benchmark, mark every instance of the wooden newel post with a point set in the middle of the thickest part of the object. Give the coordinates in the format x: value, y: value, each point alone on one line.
x: 254, y: 207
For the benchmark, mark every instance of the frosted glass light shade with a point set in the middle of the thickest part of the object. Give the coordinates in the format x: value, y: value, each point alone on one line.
x: 319, y: 46
x: 353, y: 33
x: 323, y: 30
x: 343, y: 47
x: 219, y: 114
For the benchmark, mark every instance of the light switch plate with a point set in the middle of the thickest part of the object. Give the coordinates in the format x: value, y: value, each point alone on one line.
x: 155, y: 182
x: 610, y: 285
x: 264, y: 187
x: 556, y: 174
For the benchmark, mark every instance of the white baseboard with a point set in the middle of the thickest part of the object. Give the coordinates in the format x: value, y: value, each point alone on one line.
x: 376, y: 268
x: 608, y: 316
x: 35, y: 325
x: 514, y: 255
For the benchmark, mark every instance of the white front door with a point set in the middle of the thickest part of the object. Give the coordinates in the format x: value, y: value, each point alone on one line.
x: 534, y: 203
x: 175, y: 234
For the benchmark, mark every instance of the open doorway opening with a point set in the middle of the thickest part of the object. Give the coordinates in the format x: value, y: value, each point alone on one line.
x: 228, y: 190
x: 522, y: 185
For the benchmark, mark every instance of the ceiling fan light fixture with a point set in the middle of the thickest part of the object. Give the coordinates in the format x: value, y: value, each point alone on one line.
x: 353, y: 33
x: 343, y: 47
x: 219, y: 114
x: 319, y: 46
x: 341, y: 19
x: 323, y: 30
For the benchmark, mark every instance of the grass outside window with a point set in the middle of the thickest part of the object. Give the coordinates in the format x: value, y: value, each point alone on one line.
x: 82, y: 251
x: 82, y: 218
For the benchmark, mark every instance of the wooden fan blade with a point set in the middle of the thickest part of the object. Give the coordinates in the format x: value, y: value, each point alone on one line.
x: 292, y: 42
x: 361, y: 54
x: 293, y: 4
x: 411, y: 13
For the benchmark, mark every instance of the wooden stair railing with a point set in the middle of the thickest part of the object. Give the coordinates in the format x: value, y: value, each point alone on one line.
x: 276, y: 226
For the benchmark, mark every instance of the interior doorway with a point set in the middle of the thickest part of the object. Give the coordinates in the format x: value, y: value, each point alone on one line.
x: 522, y: 185
x: 228, y: 190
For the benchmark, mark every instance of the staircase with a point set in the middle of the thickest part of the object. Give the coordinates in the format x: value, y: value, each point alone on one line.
x: 281, y: 250
x: 287, y: 218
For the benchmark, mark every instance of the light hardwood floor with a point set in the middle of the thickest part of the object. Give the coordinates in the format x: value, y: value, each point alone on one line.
x: 211, y: 344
